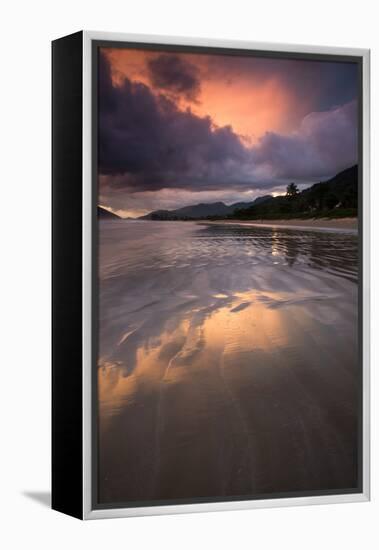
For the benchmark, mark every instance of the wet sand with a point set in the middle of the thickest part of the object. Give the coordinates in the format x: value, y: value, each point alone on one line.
x: 315, y: 223
x: 228, y: 361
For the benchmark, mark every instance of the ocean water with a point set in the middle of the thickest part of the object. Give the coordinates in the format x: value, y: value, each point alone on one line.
x: 228, y: 361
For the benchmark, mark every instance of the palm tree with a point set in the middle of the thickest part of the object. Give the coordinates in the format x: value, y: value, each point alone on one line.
x: 292, y: 190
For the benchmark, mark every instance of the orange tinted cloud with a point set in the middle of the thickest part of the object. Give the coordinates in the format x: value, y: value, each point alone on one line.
x: 128, y: 63
x: 252, y: 107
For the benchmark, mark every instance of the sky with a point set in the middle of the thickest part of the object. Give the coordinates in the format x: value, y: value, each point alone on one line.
x: 181, y: 128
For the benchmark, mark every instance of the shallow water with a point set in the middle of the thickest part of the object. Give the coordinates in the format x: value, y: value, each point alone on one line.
x: 228, y: 361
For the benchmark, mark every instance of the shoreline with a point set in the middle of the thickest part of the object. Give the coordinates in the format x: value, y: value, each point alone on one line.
x: 342, y: 224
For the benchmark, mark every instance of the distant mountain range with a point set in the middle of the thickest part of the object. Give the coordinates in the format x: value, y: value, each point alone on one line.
x: 105, y: 214
x: 202, y: 210
x: 336, y: 197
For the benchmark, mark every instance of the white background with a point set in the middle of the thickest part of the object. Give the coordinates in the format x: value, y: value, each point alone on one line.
x: 26, y: 30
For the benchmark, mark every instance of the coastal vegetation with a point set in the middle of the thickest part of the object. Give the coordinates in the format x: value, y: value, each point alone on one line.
x: 335, y: 198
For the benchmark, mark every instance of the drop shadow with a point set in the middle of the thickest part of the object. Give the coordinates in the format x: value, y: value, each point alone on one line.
x: 41, y: 497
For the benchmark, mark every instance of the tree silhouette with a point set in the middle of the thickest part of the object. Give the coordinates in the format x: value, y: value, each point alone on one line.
x: 292, y: 190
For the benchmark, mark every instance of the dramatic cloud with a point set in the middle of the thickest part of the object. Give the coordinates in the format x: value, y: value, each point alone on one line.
x: 174, y: 74
x: 156, y: 153
x: 154, y: 144
x: 318, y: 85
x: 325, y: 144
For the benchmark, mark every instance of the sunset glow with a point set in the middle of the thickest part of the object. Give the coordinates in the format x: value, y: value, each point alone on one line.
x: 178, y: 128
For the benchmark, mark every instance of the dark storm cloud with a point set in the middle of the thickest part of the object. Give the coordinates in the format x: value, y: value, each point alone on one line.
x: 147, y: 143
x: 153, y: 144
x: 329, y: 84
x: 174, y: 74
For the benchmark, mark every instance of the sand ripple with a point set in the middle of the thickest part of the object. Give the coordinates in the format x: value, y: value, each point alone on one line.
x: 228, y: 361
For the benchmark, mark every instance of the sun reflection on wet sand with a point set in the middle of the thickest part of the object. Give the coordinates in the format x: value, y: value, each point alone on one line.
x: 214, y: 375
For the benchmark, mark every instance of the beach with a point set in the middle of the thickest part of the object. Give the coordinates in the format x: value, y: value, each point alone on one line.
x: 228, y: 360
x: 312, y: 223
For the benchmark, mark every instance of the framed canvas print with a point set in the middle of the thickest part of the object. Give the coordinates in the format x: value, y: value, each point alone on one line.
x: 210, y: 275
